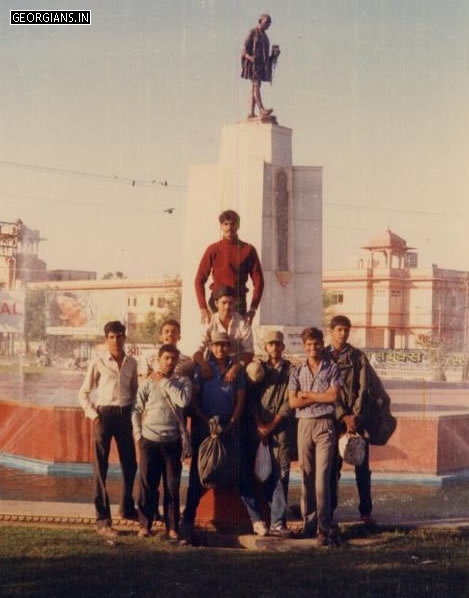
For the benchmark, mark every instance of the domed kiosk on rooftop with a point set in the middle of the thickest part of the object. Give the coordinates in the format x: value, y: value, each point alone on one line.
x: 389, y: 250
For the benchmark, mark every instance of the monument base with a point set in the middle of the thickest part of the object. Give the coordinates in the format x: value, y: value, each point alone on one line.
x: 426, y: 444
x: 222, y: 509
x: 434, y: 443
x: 269, y: 119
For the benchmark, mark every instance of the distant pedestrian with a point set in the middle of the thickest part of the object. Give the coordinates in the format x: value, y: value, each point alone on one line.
x: 114, y: 377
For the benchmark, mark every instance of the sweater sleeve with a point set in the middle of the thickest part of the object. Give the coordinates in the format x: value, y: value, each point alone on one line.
x: 203, y: 272
x: 179, y: 390
x: 257, y: 277
x: 138, y: 409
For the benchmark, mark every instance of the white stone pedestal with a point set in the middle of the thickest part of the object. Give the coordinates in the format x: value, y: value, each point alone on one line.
x: 280, y: 206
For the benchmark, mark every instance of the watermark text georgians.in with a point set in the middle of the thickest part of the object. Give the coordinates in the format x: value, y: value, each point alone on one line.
x: 50, y: 17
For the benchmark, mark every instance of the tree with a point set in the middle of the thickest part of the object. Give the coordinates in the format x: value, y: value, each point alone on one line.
x: 146, y: 331
x: 174, y: 306
x: 328, y: 303
x: 35, y: 317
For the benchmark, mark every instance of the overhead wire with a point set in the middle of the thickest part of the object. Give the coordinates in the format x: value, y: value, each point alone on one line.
x: 115, y: 178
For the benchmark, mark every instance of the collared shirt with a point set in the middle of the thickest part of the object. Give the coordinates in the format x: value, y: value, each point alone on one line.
x: 302, y: 378
x: 335, y: 353
x: 238, y: 330
x: 114, y: 387
x: 218, y: 397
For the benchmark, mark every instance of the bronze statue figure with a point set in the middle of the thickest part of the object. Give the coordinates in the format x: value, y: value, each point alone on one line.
x: 258, y: 63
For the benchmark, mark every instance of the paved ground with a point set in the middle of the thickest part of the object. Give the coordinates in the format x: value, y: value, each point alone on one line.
x: 393, y: 507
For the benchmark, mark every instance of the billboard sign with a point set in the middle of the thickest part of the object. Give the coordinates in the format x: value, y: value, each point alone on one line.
x: 12, y: 311
x: 83, y: 313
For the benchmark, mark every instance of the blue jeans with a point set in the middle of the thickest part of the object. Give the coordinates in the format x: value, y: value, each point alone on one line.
x: 276, y: 493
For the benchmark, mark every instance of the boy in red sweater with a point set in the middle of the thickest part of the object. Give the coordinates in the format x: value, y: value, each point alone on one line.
x: 230, y: 262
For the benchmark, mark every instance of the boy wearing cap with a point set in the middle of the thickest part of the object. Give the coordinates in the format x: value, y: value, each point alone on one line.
x: 226, y: 321
x: 212, y: 396
x: 313, y: 391
x: 230, y: 262
x: 273, y: 417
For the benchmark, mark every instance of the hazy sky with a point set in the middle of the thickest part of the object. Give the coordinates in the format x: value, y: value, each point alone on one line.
x: 376, y: 91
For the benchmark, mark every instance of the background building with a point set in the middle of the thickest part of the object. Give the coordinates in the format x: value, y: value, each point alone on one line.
x: 395, y: 304
x: 19, y: 261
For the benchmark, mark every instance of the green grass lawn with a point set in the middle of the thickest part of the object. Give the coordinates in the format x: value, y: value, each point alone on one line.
x: 75, y: 562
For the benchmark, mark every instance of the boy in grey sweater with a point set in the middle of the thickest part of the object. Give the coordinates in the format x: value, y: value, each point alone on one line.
x: 157, y: 430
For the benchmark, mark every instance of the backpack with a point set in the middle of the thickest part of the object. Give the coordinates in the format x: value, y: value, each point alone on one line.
x: 378, y: 419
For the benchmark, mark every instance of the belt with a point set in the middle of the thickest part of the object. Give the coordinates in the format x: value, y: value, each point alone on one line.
x: 113, y: 409
x: 325, y: 416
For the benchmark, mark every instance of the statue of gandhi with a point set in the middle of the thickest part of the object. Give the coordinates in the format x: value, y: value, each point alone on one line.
x: 258, y: 63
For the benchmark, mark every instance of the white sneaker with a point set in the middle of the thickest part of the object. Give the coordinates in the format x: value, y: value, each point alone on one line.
x: 260, y: 528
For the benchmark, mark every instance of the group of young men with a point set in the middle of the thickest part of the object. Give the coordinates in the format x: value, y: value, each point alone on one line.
x: 325, y: 395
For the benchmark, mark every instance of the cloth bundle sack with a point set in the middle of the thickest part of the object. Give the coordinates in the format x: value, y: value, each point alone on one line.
x: 214, y: 463
x: 352, y: 448
x: 263, y: 462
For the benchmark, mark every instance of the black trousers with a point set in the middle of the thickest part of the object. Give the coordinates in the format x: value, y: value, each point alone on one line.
x: 113, y: 422
x: 362, y: 481
x: 156, y: 458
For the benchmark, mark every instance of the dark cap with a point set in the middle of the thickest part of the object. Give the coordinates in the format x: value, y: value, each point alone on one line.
x: 273, y: 336
x: 220, y: 337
